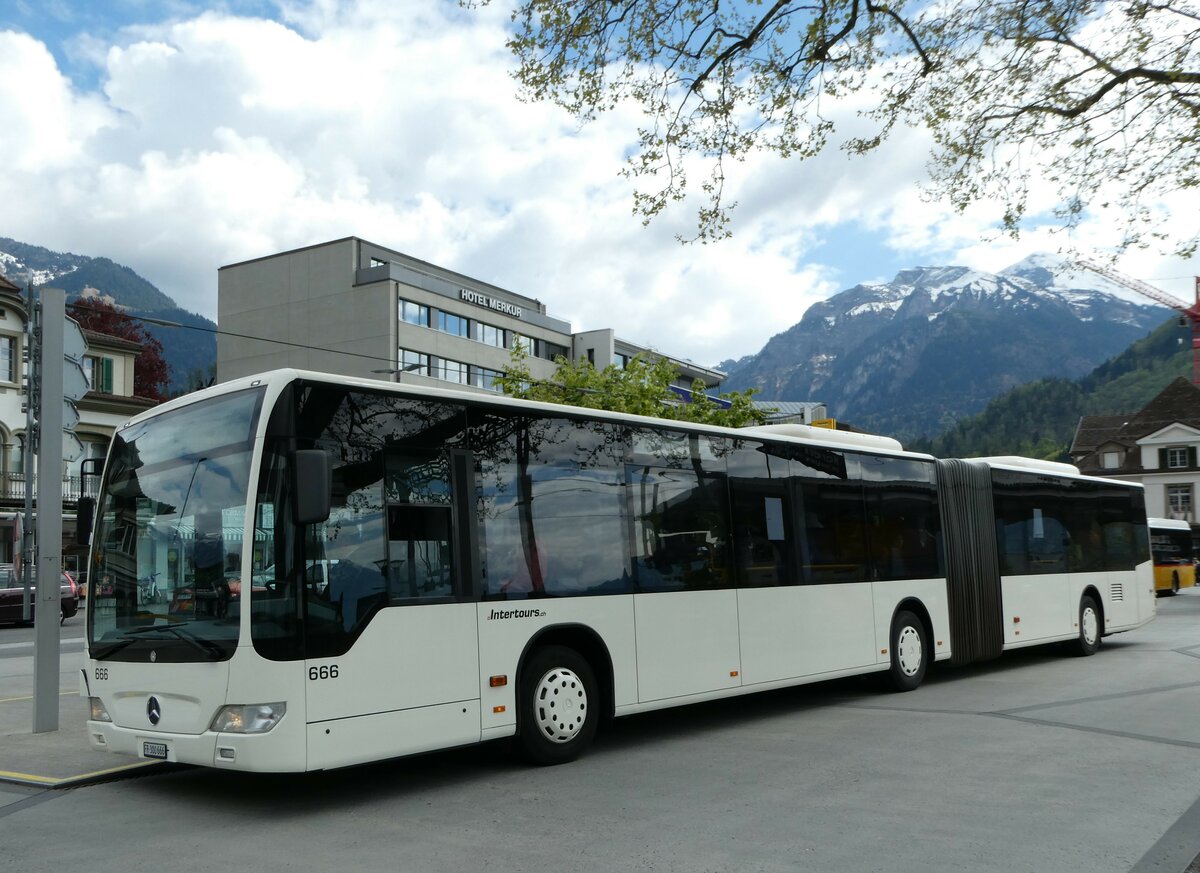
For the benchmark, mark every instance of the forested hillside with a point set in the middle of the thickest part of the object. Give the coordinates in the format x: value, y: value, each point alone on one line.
x: 1039, y: 419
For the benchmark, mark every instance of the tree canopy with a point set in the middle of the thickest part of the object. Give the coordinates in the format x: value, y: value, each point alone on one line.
x: 1102, y: 98
x: 151, y: 374
x: 642, y: 387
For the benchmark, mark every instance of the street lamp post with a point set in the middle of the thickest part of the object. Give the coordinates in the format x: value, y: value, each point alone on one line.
x: 398, y: 372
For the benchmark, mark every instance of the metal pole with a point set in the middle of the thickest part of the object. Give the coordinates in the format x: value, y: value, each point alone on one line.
x: 47, y: 635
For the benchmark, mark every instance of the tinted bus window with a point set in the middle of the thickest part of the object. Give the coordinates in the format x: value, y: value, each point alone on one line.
x: 830, y: 516
x: 679, y: 507
x: 1126, y: 538
x: 419, y: 548
x: 388, y: 538
x: 763, y: 525
x: 550, y: 504
x: 1032, y: 523
x: 1086, y: 552
x: 903, y: 521
x: 1051, y: 525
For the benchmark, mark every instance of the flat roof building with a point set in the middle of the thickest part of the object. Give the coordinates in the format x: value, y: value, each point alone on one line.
x: 358, y: 309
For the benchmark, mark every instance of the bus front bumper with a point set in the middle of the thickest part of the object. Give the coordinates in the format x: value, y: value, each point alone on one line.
x: 209, y: 749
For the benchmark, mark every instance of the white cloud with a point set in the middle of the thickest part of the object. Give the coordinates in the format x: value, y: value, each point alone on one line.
x: 215, y: 137
x: 45, y: 124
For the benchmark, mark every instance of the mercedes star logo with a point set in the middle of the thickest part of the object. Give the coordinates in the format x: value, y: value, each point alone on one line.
x: 153, y: 710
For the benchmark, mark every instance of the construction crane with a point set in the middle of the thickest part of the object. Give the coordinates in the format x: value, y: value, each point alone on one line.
x: 1189, y: 315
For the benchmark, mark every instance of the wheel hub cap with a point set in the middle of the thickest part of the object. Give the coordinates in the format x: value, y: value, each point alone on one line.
x: 908, y: 651
x: 1090, y: 626
x: 560, y: 705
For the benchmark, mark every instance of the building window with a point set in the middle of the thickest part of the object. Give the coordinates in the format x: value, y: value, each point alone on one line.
x: 414, y: 313
x: 489, y: 335
x: 1179, y: 502
x: 1177, y: 458
x: 622, y: 361
x: 8, y: 359
x: 1111, y: 460
x: 486, y: 379
x: 99, y: 373
x: 452, y: 371
x: 413, y: 362
x: 457, y: 325
x: 17, y: 460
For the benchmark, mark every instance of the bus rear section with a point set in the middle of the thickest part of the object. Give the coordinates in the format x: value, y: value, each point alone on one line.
x: 1038, y: 553
x: 1171, y: 544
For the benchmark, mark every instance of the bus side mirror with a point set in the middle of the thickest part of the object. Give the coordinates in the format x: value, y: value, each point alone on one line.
x: 85, y: 516
x: 312, y: 484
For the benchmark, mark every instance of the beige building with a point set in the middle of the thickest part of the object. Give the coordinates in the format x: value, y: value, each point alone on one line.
x: 109, y: 366
x: 358, y: 309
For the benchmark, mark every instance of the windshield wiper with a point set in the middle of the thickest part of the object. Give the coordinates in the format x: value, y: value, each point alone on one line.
x: 175, y: 629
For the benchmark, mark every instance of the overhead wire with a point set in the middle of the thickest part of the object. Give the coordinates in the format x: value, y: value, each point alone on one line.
x: 218, y: 332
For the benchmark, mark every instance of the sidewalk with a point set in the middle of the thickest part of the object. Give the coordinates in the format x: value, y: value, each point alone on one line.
x: 56, y: 759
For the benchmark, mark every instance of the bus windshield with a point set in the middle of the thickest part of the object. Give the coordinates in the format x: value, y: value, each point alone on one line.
x: 167, y: 554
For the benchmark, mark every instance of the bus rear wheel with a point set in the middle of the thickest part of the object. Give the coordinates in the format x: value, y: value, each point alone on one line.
x: 910, y: 652
x: 1090, y: 627
x: 558, y: 706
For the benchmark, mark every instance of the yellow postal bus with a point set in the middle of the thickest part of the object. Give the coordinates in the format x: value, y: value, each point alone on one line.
x: 1174, y: 558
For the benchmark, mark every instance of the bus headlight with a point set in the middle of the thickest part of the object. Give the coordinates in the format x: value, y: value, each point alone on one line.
x: 249, y: 718
x: 99, y: 713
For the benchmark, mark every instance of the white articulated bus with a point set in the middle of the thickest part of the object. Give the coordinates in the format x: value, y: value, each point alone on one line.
x: 347, y: 570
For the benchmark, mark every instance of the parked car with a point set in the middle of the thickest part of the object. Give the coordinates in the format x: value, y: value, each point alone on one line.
x: 12, y: 593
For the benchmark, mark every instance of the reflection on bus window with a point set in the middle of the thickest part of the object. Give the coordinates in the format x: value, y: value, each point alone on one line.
x: 550, y: 506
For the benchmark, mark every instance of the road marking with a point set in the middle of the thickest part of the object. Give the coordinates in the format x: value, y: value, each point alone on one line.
x: 30, y: 644
x: 60, y: 694
x: 54, y: 782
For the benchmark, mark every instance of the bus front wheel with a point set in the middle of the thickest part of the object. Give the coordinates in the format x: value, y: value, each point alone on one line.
x: 1090, y: 629
x: 910, y: 652
x: 558, y: 709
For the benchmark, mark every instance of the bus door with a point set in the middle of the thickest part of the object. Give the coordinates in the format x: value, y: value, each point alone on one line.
x: 392, y: 642
x: 769, y: 596
x: 805, y: 603
x: 686, y: 612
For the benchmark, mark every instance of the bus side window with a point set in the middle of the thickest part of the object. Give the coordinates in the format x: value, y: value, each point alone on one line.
x: 419, y: 550
x: 419, y: 524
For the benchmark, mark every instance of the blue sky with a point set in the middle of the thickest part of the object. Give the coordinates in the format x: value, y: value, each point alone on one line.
x: 175, y: 137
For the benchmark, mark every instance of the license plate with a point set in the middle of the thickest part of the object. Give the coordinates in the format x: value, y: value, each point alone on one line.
x: 155, y: 750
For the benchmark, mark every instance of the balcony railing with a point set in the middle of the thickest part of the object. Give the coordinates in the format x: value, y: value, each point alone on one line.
x: 13, y: 487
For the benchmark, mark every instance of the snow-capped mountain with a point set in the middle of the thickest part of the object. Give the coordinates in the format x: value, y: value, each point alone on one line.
x: 911, y: 356
x: 185, y: 350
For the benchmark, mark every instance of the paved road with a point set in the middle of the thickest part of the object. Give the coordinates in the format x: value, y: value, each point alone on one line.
x: 16, y: 658
x: 1037, y: 762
